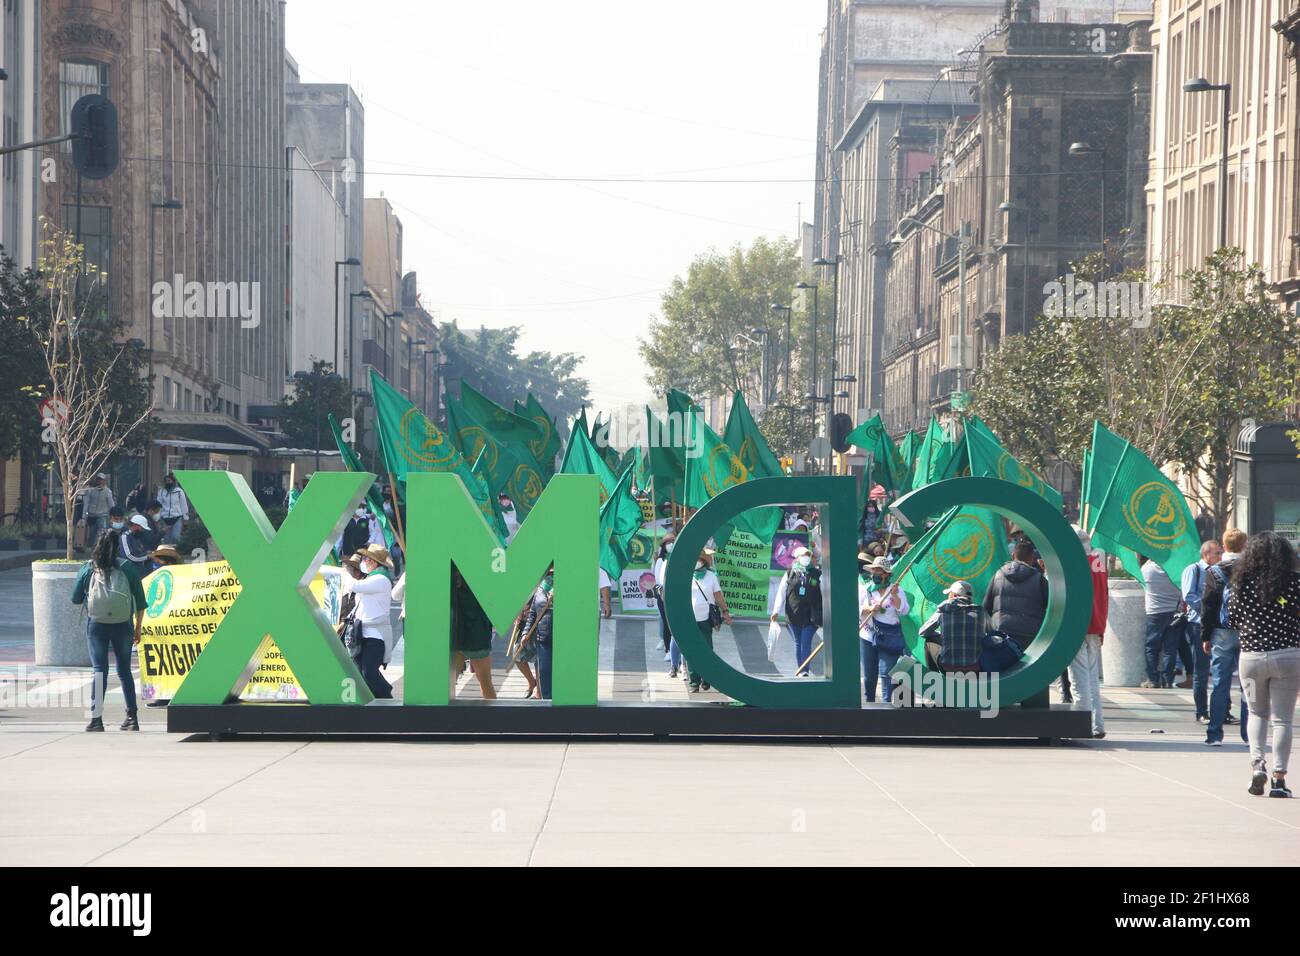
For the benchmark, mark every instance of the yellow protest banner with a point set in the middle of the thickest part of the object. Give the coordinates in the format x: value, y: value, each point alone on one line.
x: 186, y: 602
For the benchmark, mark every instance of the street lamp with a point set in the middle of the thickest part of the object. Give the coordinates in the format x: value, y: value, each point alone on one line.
x: 789, y: 311
x: 964, y: 247
x: 1007, y: 208
x: 365, y: 295
x: 834, y: 265
x: 172, y: 204
x: 410, y: 361
x: 425, y: 367
x: 388, y: 335
x: 1202, y: 85
x: 1086, y: 149
x: 350, y: 261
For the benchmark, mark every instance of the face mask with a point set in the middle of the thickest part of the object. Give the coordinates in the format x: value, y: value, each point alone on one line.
x: 361, y: 512
x: 805, y: 561
x: 668, y: 548
x: 118, y: 525
x: 699, y: 565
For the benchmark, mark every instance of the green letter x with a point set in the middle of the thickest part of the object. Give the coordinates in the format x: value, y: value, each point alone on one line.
x: 274, y: 571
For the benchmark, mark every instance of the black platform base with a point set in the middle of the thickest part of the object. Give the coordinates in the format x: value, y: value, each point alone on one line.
x: 522, y: 718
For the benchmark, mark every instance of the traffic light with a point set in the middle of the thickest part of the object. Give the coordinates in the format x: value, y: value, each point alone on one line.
x: 94, y: 144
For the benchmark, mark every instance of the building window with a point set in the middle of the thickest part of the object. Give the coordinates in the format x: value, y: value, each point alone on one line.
x: 96, y: 236
x: 78, y: 78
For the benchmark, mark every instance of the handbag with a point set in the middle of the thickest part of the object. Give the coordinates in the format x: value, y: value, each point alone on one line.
x: 999, y: 651
x: 715, y: 612
x: 354, y: 636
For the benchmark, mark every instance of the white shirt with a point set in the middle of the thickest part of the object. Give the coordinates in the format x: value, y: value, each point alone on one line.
x: 605, y: 581
x: 891, y: 608
x: 374, y: 596
x: 702, y: 591
x: 174, y: 503
x: 660, y: 565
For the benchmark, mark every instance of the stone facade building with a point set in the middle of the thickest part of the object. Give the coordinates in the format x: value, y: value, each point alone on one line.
x: 1014, y: 181
x: 1251, y: 45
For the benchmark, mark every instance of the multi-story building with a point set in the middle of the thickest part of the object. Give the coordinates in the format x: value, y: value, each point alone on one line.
x: 1049, y: 170
x: 890, y: 141
x: 317, y: 234
x: 1249, y: 44
x: 19, y: 29
x: 327, y: 123
x: 419, y: 353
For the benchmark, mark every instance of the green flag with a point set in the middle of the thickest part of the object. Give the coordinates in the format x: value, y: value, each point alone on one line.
x: 581, y: 458
x: 988, y: 459
x: 712, y: 467
x: 510, y: 466
x: 1138, y: 507
x: 665, y: 458
x: 498, y: 522
x: 934, y: 456
x: 504, y: 425
x: 620, y: 520
x: 374, y: 501
x: 409, y: 442
x: 547, y: 446
x: 966, y: 544
x: 887, y: 467
x: 743, y: 437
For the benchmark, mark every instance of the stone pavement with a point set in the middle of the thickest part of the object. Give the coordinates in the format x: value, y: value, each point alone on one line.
x: 1135, y: 798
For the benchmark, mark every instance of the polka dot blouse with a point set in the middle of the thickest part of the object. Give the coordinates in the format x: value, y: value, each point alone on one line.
x: 1266, y: 627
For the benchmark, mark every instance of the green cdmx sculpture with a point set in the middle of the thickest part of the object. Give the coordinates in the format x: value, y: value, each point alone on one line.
x: 444, y: 526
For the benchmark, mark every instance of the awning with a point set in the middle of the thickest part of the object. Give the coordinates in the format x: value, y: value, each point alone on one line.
x: 196, y: 445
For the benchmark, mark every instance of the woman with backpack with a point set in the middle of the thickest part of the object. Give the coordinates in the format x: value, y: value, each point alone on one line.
x: 800, y: 597
x: 110, y: 587
x: 1264, y: 610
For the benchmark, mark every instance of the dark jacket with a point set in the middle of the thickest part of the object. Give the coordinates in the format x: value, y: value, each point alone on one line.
x: 803, y: 610
x: 1212, y: 597
x: 1017, y: 600
x: 356, y: 535
x: 543, y: 632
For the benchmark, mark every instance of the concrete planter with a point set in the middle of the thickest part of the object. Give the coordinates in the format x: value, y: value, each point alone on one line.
x: 60, y: 625
x: 1123, y: 653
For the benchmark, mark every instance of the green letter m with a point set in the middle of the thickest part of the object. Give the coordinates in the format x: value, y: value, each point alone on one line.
x: 444, y: 526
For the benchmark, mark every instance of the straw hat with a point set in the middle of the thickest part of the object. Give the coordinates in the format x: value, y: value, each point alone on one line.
x: 882, y: 564
x: 378, y: 554
x: 352, y: 561
x: 166, y: 553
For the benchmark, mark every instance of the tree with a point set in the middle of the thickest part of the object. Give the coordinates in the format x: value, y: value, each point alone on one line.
x: 487, y: 359
x: 304, y: 415
x: 94, y: 378
x: 1177, y: 382
x: 22, y: 379
x: 696, y: 344
x: 787, y: 425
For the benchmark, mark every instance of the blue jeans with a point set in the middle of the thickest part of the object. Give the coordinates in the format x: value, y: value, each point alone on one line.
x: 1161, y: 648
x: 706, y: 632
x: 803, y: 644
x: 544, y: 658
x: 99, y: 637
x: 886, y: 661
x: 1200, y: 670
x: 1225, y: 649
x: 870, y: 669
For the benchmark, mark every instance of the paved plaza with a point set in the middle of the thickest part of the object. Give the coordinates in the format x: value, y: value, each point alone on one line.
x: 1149, y: 793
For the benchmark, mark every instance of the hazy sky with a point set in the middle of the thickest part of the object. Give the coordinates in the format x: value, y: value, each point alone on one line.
x: 708, y: 89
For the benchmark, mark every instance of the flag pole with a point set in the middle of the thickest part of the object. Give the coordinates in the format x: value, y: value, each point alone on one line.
x: 397, y: 514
